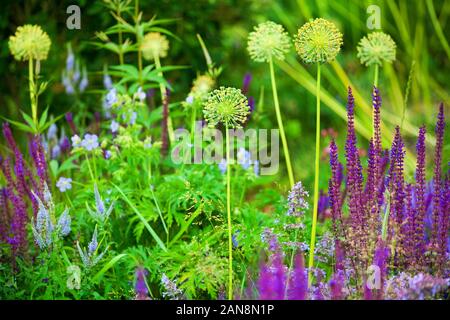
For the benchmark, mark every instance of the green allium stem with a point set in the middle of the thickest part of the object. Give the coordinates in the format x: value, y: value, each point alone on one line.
x: 230, y: 241
x: 162, y: 88
x: 194, y: 118
x: 376, y: 72
x: 316, y: 181
x: 280, y: 126
x: 32, y: 88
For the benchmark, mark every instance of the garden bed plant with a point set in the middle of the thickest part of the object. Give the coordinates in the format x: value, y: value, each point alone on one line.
x: 107, y: 201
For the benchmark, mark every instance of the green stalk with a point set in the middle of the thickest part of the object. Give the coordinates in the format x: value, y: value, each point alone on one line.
x: 230, y: 242
x: 162, y: 88
x: 375, y: 79
x: 90, y: 169
x: 32, y: 92
x: 316, y: 180
x: 280, y: 125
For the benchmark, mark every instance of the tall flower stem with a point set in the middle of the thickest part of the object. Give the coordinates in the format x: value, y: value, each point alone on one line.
x: 230, y: 241
x: 316, y: 180
x: 280, y: 125
x: 375, y: 77
x: 32, y: 88
x: 162, y: 88
x: 118, y: 13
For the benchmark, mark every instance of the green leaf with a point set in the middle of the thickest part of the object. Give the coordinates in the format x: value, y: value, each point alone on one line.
x: 43, y: 118
x: 29, y: 121
x: 147, y: 226
x: 49, y: 123
x: 19, y: 125
x: 54, y: 167
x: 108, y: 266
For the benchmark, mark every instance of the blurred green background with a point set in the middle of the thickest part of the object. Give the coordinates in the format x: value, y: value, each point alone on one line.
x: 420, y: 28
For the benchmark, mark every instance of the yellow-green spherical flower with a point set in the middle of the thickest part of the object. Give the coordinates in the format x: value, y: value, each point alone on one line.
x: 202, y: 85
x: 154, y: 44
x: 29, y: 42
x: 268, y: 41
x: 318, y: 41
x: 227, y: 106
x: 376, y: 48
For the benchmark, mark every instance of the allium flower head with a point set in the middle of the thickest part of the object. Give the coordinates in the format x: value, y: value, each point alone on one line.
x: 29, y: 42
x: 318, y: 41
x: 268, y: 40
x: 202, y: 85
x: 376, y: 48
x: 226, y: 105
x: 154, y: 44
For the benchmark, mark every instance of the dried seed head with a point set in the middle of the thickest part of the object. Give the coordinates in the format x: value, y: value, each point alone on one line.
x: 29, y: 42
x: 154, y: 44
x: 226, y: 105
x: 268, y: 40
x: 376, y: 48
x: 318, y: 41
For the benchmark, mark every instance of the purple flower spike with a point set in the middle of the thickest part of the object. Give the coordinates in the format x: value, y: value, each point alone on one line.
x: 298, y: 284
x: 419, y: 232
x: 141, y: 287
x: 246, y: 83
x: 69, y: 119
x: 440, y: 216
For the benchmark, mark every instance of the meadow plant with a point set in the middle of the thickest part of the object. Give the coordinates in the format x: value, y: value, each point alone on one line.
x: 268, y: 42
x: 229, y: 107
x: 317, y: 41
x: 374, y: 49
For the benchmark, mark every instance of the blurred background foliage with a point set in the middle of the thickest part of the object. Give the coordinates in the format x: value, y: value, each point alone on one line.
x: 420, y: 28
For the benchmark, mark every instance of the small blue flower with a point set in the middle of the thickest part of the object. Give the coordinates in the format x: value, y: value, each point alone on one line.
x: 111, y: 98
x: 84, y: 81
x: 223, y: 166
x: 140, y: 94
x: 256, y: 167
x: 107, y: 154
x: 107, y: 81
x: 190, y: 99
x: 56, y: 151
x: 133, y: 118
x: 93, y: 244
x: 244, y: 158
x: 114, y: 126
x: 64, y: 222
x: 52, y: 132
x: 90, y: 142
x: 76, y: 141
x: 64, y: 184
x: 70, y: 60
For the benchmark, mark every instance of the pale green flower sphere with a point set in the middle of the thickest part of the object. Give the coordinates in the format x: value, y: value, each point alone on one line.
x: 268, y: 40
x: 29, y: 42
x: 376, y: 48
x: 227, y: 106
x: 318, y: 41
x: 154, y: 44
